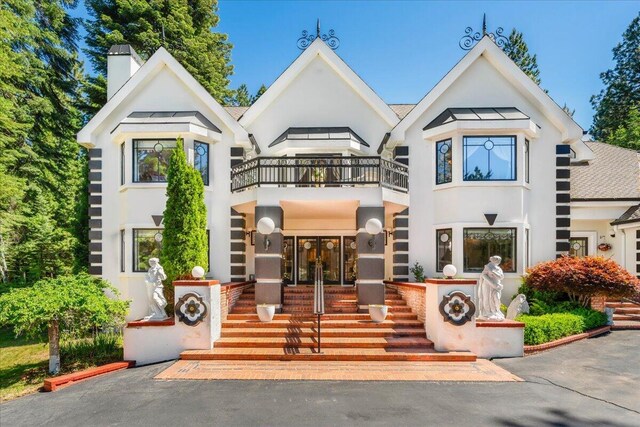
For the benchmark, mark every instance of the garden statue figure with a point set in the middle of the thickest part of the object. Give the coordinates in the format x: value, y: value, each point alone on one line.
x: 518, y: 306
x: 157, y: 301
x: 490, y: 289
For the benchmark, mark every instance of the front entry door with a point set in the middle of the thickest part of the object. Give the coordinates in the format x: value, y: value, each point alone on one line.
x: 327, y: 249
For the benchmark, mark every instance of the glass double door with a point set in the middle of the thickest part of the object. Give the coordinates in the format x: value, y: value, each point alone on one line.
x: 335, y: 253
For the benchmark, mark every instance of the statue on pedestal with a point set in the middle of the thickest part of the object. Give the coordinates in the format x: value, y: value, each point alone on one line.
x: 157, y: 302
x: 490, y: 289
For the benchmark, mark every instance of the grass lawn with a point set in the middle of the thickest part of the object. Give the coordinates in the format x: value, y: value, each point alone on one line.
x: 24, y: 362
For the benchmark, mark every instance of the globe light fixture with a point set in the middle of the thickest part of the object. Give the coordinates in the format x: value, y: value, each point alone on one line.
x: 373, y: 226
x: 266, y: 226
x: 197, y: 272
x: 449, y: 271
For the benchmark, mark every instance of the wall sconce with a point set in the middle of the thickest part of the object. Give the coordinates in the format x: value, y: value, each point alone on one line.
x: 266, y: 226
x: 373, y: 227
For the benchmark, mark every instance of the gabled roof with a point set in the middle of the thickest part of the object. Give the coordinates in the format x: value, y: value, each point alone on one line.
x: 490, y: 51
x: 319, y: 49
x: 159, y: 59
x: 401, y: 110
x: 319, y: 134
x: 613, y: 174
x: 631, y: 215
x: 454, y: 114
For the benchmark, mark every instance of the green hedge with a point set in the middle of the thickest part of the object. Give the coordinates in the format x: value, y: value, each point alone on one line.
x: 550, y: 327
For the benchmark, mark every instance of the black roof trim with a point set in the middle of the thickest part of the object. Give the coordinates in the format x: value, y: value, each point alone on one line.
x: 255, y: 143
x: 187, y: 115
x: 124, y: 49
x: 309, y: 131
x: 384, y: 141
x: 476, y: 113
x: 630, y: 215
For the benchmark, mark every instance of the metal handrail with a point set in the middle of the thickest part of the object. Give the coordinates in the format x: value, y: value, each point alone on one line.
x: 312, y: 171
x: 318, y: 295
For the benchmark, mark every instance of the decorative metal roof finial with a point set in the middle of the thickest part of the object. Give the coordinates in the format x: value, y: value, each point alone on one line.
x: 470, y: 38
x: 329, y: 38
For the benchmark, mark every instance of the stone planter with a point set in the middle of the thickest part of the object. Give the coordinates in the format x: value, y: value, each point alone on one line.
x: 266, y: 312
x: 378, y: 312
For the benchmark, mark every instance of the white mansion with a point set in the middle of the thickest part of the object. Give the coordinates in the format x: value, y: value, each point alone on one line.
x: 485, y: 164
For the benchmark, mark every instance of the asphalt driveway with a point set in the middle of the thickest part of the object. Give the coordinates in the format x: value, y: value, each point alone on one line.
x: 594, y: 382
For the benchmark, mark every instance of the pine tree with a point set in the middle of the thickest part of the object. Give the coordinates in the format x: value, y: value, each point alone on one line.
x: 622, y: 86
x: 241, y: 97
x: 627, y: 135
x: 184, y: 243
x: 518, y: 51
x: 259, y: 93
x: 183, y: 27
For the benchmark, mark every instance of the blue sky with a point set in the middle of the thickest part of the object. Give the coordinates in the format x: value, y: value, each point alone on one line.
x: 403, y: 48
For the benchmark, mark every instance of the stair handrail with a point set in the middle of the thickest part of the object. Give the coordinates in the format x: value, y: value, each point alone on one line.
x: 318, y: 295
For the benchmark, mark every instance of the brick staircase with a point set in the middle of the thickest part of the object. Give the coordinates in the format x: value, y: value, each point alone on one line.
x: 626, y: 314
x: 346, y: 335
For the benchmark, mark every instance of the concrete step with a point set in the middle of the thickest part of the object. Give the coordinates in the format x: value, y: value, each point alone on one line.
x: 622, y: 325
x: 325, y: 332
x: 329, y: 342
x: 635, y: 317
x: 627, y: 310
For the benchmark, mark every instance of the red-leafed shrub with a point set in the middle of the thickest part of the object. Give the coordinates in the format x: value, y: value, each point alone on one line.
x: 583, y: 278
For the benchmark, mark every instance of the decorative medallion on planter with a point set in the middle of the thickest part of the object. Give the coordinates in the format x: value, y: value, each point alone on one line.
x: 457, y: 308
x: 191, y: 309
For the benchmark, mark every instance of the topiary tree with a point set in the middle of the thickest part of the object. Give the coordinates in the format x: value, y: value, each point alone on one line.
x: 184, y: 243
x: 583, y: 278
x: 71, y: 303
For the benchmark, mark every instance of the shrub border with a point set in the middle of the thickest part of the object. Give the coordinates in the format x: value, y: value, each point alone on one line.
x: 532, y: 349
x: 54, y: 383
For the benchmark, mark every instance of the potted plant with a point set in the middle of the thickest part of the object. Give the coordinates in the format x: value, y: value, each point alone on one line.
x: 266, y: 312
x: 378, y: 312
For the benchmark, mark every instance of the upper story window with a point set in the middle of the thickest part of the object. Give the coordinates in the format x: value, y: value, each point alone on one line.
x: 444, y: 160
x: 526, y: 161
x: 151, y: 159
x: 201, y: 160
x: 489, y: 158
x: 122, y: 164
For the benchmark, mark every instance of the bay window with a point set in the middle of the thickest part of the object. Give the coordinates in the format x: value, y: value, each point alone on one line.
x: 489, y: 158
x: 482, y: 243
x: 444, y: 160
x: 201, y: 160
x: 151, y: 159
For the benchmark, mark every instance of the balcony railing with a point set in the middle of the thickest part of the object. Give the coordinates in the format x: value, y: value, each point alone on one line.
x: 326, y: 171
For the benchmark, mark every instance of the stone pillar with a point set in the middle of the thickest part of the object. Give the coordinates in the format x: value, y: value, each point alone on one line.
x: 370, y: 263
x: 268, y: 261
x: 563, y: 199
x: 95, y: 211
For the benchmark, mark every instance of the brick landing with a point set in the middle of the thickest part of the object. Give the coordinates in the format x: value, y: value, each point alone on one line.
x: 478, y: 371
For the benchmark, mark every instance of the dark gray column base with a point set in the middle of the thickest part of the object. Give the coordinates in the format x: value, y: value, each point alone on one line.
x: 269, y: 293
x: 369, y: 293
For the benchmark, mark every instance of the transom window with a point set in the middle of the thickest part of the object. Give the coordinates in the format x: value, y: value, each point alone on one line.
x: 443, y: 161
x: 444, y: 245
x: 489, y: 158
x: 151, y: 159
x: 201, y: 160
x: 482, y: 243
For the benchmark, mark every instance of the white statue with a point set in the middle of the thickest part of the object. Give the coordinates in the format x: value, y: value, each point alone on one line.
x: 518, y: 306
x: 490, y: 289
x: 157, y: 301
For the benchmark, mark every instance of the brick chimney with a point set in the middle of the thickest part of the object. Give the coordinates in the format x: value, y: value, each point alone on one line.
x: 122, y: 63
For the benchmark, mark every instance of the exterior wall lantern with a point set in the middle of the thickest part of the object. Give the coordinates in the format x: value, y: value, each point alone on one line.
x: 373, y: 226
x: 266, y: 226
x: 449, y: 271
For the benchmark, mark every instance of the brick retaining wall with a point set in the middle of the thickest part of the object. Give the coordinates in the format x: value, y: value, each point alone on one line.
x: 415, y: 296
x: 229, y: 295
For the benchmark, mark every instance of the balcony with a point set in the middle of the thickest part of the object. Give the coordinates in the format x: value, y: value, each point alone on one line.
x: 320, y: 171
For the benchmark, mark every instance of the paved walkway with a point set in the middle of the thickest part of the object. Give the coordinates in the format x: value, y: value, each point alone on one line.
x: 481, y: 370
x: 589, y: 383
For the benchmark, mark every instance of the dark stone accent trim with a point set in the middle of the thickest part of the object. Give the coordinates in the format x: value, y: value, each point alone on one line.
x: 95, y: 188
x: 275, y: 246
x: 95, y: 211
x: 563, y: 161
x: 401, y: 234
x: 95, y: 234
x: 404, y: 270
x: 637, y: 234
x: 370, y: 293
x: 404, y: 212
x: 638, y: 257
x: 563, y: 149
x: 563, y: 234
x: 95, y: 270
x: 95, y: 258
x: 239, y: 279
x: 95, y: 246
x: 235, y: 162
x: 238, y: 270
x: 95, y: 176
x: 237, y: 235
x: 563, y: 210
x: 95, y: 200
x: 400, y: 258
x: 269, y: 293
x: 370, y: 268
x: 237, y: 151
x: 95, y: 164
x: 638, y: 245
x: 563, y: 173
x: 238, y: 222
x: 364, y: 213
x: 268, y: 268
x: 563, y: 198
x: 362, y: 240
x: 400, y: 246
x: 400, y: 279
x: 563, y: 186
x: 235, y: 212
x: 238, y: 246
x: 401, y: 151
x: 563, y: 246
x: 95, y: 153
x: 238, y: 259
x: 274, y: 212
x: 403, y: 161
x: 563, y: 222
x: 95, y: 223
x: 400, y: 222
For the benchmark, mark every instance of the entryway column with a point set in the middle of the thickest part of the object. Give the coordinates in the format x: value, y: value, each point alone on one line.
x: 370, y: 264
x: 268, y: 257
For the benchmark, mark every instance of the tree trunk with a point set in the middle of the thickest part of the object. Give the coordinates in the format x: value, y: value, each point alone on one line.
x: 54, y: 347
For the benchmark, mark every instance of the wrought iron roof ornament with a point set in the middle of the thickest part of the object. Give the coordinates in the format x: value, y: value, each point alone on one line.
x: 307, y: 38
x: 469, y: 40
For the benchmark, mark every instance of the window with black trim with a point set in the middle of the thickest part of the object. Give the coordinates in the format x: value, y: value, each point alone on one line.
x: 147, y: 243
x: 526, y: 161
x: 201, y: 160
x: 151, y: 159
x: 482, y: 243
x: 122, y: 251
x: 444, y: 246
x: 443, y: 161
x: 489, y: 158
x: 122, y: 164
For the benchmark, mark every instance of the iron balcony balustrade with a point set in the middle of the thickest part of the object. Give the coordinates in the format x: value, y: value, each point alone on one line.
x: 320, y: 171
